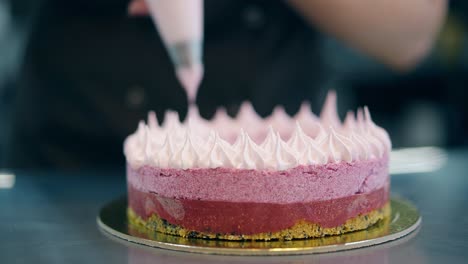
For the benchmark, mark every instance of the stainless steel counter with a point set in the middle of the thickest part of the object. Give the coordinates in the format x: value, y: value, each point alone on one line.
x: 50, y: 217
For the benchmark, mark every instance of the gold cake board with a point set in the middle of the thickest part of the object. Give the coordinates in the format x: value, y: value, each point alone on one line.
x: 404, y: 219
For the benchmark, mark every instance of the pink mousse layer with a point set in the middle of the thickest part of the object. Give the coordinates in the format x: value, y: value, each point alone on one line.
x: 299, y: 184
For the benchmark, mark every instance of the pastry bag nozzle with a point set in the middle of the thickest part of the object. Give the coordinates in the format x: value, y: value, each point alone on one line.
x: 190, y: 78
x: 180, y: 24
x: 187, y: 59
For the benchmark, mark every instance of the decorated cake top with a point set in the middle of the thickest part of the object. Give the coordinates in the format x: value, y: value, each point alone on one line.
x: 278, y: 142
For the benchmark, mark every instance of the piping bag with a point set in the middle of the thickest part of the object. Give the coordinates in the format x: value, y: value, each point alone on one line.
x: 180, y: 25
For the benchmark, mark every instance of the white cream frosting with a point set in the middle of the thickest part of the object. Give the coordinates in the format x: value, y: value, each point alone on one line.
x: 278, y: 142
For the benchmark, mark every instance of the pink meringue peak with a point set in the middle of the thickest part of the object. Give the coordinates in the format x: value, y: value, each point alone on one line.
x: 248, y: 141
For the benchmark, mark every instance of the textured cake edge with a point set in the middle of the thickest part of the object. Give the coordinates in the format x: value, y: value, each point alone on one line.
x: 302, y: 229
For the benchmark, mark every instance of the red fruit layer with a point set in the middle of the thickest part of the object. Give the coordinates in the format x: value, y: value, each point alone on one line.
x: 251, y: 218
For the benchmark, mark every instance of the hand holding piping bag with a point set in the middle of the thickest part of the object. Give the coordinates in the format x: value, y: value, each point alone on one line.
x: 180, y: 24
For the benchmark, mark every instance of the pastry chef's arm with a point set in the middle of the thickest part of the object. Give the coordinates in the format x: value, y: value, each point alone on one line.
x: 398, y: 33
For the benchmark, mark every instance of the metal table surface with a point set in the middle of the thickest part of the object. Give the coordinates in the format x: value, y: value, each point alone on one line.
x: 50, y: 217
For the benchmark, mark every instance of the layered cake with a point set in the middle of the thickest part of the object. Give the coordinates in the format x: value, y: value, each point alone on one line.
x: 253, y: 178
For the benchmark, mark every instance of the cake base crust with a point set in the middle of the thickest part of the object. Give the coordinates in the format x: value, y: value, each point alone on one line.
x: 301, y: 229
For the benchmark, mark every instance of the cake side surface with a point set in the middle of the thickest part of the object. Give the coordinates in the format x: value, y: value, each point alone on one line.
x: 280, y: 177
x: 300, y: 230
x: 247, y: 218
x: 299, y: 184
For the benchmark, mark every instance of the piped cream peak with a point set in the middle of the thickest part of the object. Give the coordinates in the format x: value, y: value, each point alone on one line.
x: 248, y: 141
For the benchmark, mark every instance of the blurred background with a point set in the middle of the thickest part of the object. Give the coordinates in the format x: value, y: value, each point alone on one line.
x: 51, y: 47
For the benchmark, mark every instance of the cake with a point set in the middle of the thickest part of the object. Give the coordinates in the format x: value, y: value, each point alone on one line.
x: 251, y: 178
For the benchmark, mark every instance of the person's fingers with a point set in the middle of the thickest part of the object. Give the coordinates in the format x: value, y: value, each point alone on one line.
x: 138, y: 8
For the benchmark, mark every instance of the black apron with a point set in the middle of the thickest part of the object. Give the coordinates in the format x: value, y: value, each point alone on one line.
x: 91, y: 72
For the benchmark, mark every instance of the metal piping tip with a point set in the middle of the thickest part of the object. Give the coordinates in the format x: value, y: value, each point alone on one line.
x: 186, y: 53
